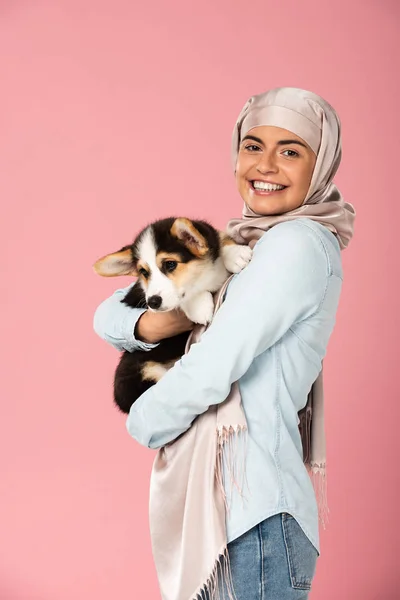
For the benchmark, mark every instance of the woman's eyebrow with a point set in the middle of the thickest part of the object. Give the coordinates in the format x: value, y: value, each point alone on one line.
x: 254, y: 138
x: 279, y: 143
x: 287, y: 142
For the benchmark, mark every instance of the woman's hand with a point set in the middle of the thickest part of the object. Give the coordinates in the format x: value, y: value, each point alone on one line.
x: 152, y: 327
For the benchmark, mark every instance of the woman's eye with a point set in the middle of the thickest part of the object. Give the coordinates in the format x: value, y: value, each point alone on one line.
x: 170, y: 265
x: 144, y: 273
x: 252, y: 147
x: 292, y: 153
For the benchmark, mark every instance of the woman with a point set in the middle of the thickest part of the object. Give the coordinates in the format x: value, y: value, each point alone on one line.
x: 270, y: 335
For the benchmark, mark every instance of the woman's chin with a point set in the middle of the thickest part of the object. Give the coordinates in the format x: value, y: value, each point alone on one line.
x: 264, y: 206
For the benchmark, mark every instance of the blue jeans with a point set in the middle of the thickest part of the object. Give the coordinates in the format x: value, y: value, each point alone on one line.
x: 275, y: 560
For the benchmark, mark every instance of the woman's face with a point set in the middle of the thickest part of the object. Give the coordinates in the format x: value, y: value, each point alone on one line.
x: 269, y: 158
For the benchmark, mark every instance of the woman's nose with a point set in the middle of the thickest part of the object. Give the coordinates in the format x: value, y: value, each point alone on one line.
x: 266, y: 164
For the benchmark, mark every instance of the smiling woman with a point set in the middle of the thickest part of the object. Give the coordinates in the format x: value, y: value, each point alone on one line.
x: 274, y: 170
x: 254, y: 371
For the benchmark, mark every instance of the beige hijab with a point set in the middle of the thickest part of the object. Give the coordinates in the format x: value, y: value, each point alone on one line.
x: 187, y: 493
x: 316, y: 122
x: 188, y: 501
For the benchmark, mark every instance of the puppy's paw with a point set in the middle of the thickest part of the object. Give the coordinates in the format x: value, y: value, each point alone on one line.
x: 236, y: 257
x: 200, y: 309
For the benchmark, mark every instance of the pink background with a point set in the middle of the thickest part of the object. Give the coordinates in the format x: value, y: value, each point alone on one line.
x: 117, y: 112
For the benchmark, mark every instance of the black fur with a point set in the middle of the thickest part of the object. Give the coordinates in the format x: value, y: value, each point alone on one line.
x: 168, y: 243
x: 128, y: 381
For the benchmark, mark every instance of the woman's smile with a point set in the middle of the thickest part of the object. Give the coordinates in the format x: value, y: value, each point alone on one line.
x: 266, y: 188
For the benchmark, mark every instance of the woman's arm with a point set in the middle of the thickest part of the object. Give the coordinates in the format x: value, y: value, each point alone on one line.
x: 115, y: 322
x: 132, y: 329
x: 284, y: 283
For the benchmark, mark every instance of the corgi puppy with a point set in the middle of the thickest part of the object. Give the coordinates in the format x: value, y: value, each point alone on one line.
x: 178, y: 263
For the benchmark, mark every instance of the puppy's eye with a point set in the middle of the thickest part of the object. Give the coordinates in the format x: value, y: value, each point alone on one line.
x: 170, y: 265
x: 144, y: 273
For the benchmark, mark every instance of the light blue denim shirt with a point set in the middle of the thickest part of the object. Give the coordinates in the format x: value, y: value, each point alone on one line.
x: 270, y: 334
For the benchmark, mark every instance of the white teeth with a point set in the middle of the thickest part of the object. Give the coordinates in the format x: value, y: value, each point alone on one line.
x: 268, y: 187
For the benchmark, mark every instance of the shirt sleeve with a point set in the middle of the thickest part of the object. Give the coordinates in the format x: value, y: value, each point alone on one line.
x: 115, y: 323
x: 284, y: 283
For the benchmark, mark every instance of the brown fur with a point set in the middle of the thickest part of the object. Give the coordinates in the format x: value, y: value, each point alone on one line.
x: 225, y: 239
x: 153, y: 371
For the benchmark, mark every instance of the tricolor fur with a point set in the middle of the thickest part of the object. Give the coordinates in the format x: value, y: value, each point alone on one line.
x: 178, y: 263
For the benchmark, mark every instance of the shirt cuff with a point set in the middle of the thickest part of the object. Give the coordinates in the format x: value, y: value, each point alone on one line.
x: 128, y: 330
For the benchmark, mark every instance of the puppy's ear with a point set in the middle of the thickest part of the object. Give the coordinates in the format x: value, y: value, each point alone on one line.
x: 117, y: 263
x: 186, y: 232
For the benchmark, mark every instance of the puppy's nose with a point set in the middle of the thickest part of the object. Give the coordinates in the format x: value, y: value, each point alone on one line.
x: 154, y: 302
